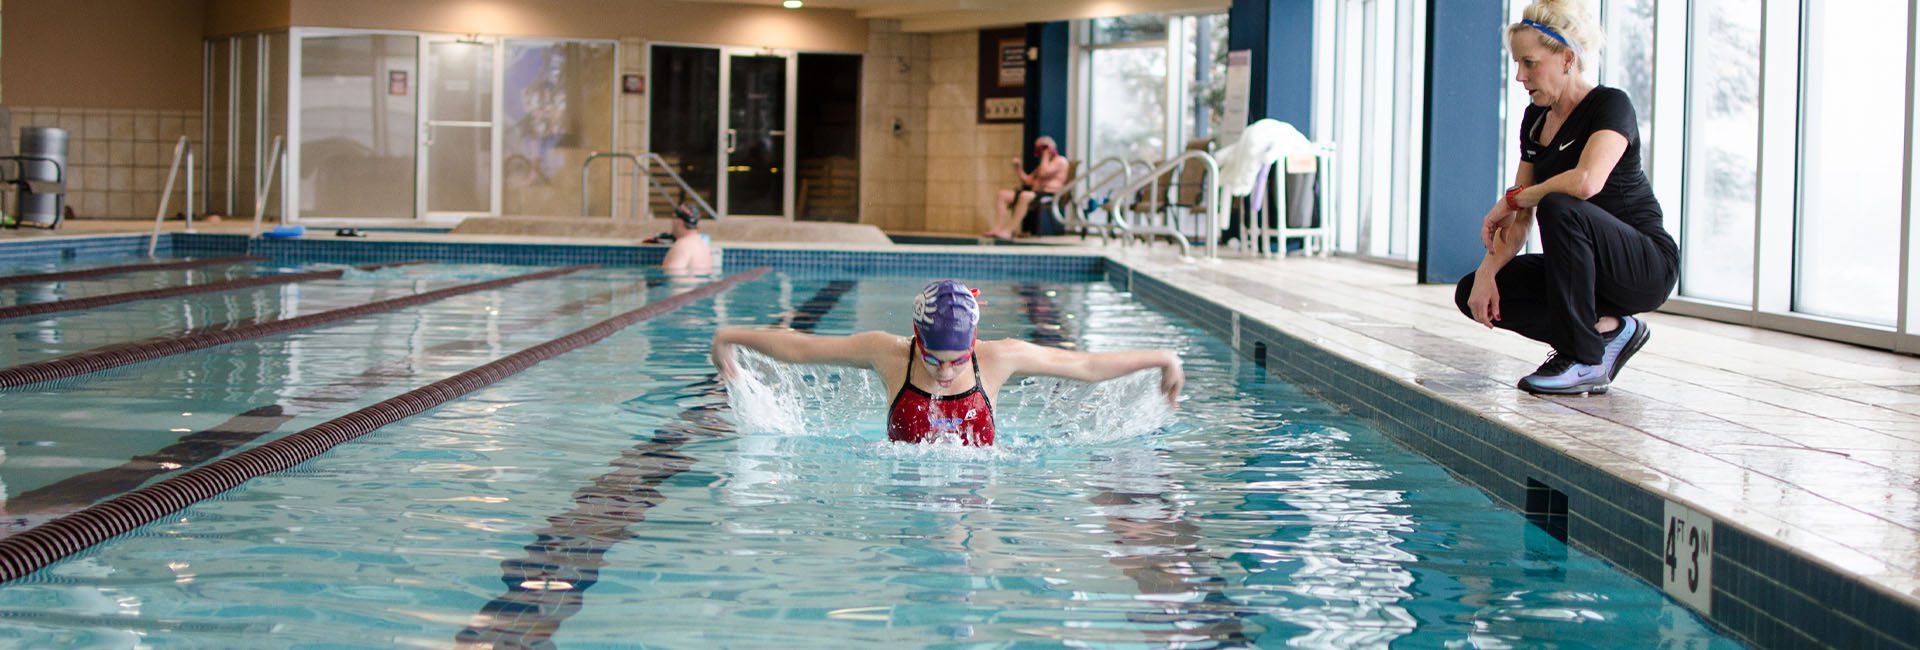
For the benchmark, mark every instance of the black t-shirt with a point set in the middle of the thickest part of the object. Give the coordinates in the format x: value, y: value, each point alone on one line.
x: 1627, y: 194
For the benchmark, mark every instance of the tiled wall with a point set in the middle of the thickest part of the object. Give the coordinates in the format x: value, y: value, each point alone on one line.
x: 632, y: 135
x: 893, y: 89
x: 967, y: 162
x: 116, y: 158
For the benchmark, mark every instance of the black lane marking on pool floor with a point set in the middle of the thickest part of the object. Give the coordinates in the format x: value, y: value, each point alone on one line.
x: 30, y: 551
x: 90, y: 302
x: 1187, y: 568
x: 549, y: 585
x: 92, y: 361
x: 192, y: 450
x: 104, y: 271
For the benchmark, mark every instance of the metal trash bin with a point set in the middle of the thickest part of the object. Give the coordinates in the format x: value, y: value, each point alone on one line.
x: 42, y: 208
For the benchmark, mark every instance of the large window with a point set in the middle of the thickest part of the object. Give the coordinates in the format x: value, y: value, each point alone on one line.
x: 1153, y: 84
x: 1377, y: 85
x: 1850, y: 167
x: 1627, y: 62
x: 1723, y: 150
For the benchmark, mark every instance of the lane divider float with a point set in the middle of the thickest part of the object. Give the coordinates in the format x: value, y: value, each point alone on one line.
x: 34, y: 549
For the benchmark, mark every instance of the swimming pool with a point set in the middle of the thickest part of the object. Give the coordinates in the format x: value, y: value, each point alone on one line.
x: 613, y: 496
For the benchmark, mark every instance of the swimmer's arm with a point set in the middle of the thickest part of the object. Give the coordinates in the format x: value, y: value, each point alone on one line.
x: 788, y: 346
x: 1025, y: 358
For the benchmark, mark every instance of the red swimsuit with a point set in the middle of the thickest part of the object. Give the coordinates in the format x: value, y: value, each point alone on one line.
x: 968, y: 415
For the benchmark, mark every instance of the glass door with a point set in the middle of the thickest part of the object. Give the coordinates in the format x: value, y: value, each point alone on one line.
x: 758, y: 105
x: 458, y: 139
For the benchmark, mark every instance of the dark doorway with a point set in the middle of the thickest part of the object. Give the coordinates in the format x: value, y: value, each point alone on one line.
x: 684, y: 120
x: 828, y: 145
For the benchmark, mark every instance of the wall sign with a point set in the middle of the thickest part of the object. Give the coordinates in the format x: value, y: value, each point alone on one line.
x: 1239, y: 90
x: 1003, y: 75
x: 1686, y: 558
x: 633, y: 84
x: 397, y: 82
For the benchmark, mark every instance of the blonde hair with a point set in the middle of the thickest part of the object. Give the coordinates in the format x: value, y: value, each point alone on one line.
x: 1571, y: 20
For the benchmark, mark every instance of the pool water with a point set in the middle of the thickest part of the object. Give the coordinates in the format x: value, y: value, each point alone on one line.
x: 617, y: 497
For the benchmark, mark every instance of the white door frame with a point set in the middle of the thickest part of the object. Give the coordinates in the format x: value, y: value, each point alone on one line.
x: 786, y: 139
x: 425, y: 133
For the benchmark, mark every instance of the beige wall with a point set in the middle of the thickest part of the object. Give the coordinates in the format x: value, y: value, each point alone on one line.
x: 133, y: 54
x: 894, y: 78
x: 967, y: 162
x: 658, y: 20
x: 225, y: 17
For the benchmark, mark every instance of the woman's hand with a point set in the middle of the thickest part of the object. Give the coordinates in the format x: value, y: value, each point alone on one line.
x: 1485, y: 299
x: 1497, y: 220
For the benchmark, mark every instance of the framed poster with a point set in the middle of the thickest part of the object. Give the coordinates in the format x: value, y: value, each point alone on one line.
x: 1003, y: 75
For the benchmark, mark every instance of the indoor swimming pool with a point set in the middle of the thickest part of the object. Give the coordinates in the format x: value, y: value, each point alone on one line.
x: 618, y: 496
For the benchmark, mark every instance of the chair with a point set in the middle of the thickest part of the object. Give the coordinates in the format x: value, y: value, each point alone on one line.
x: 13, y: 172
x: 1039, y: 219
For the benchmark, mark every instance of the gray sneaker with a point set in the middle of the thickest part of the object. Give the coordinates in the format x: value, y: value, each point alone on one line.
x: 1561, y: 375
x: 1626, y: 341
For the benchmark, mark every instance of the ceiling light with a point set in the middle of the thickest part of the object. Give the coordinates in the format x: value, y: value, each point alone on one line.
x: 791, y: 4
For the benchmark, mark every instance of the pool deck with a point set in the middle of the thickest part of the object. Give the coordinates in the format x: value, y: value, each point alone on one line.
x: 1809, y: 446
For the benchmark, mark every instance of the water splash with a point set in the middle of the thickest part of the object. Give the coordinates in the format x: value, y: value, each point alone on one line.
x: 769, y: 397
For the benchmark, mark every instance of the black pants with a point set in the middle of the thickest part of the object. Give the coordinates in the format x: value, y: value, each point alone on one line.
x: 1595, y: 265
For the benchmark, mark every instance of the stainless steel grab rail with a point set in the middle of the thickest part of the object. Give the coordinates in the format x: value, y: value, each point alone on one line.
x: 1083, y: 188
x: 642, y: 162
x: 181, y: 148
x: 261, y: 193
x: 639, y: 169
x: 1153, y: 178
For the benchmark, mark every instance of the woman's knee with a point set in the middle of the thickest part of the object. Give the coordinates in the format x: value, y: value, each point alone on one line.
x: 1560, y: 203
x: 1006, y: 196
x: 1462, y: 292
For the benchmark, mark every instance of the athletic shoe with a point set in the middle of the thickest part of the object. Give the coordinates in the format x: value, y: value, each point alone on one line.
x: 1561, y: 375
x: 1626, y: 341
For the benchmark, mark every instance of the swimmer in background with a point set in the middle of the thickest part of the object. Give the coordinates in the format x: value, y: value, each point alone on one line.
x: 944, y: 380
x: 690, y: 251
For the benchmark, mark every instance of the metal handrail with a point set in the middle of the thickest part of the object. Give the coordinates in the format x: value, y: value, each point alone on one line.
x: 1213, y: 204
x: 181, y: 148
x: 261, y: 193
x: 1084, y: 187
x: 685, y: 189
x: 641, y: 164
x: 639, y: 168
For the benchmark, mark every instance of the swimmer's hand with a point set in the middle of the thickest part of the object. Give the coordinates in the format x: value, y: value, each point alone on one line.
x: 722, y: 356
x: 1172, y: 379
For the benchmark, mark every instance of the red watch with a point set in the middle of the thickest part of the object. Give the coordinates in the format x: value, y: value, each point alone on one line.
x: 1512, y: 195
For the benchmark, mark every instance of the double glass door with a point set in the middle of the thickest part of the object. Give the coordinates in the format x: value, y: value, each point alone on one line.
x: 433, y: 127
x: 723, y: 116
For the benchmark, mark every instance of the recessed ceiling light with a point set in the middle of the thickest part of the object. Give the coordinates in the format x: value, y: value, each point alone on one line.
x: 791, y: 4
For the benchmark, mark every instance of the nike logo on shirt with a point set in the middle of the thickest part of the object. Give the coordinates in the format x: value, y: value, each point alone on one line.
x: 1564, y: 146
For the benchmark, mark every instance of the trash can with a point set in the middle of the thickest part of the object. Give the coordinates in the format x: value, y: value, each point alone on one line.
x: 42, y: 208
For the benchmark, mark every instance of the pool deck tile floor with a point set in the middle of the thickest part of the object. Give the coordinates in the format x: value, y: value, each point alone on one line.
x: 1813, y: 443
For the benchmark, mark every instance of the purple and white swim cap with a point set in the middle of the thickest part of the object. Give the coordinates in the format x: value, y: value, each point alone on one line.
x: 945, y: 316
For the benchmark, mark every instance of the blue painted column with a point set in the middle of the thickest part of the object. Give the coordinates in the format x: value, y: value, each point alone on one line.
x: 1461, y: 173
x: 1046, y: 107
x: 1280, y: 35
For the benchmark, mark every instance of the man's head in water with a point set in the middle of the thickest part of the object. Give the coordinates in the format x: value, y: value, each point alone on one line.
x: 686, y: 221
x: 945, y: 317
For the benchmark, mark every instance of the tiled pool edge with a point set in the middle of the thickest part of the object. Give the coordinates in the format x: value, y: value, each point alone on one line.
x: 987, y: 262
x: 1762, y: 592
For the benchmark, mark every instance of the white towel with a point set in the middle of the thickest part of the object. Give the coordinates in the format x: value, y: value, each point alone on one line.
x: 1262, y: 143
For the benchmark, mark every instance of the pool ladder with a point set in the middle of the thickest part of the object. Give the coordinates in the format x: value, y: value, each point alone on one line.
x: 643, y: 166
